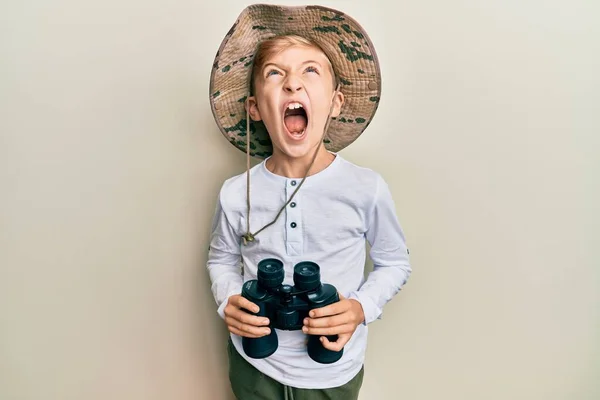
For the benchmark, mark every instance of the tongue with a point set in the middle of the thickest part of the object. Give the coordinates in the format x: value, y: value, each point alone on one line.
x: 295, y: 123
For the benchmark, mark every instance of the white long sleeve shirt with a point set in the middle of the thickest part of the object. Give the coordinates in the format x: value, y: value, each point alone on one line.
x: 328, y: 222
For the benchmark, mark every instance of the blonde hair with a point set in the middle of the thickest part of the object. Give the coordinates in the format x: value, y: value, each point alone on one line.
x: 272, y: 46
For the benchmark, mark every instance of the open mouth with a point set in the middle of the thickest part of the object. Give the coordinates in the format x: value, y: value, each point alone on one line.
x: 295, y: 119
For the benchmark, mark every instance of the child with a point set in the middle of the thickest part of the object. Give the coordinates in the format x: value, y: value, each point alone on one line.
x: 309, y: 81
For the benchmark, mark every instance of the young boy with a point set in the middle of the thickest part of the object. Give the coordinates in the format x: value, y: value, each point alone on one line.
x: 309, y: 81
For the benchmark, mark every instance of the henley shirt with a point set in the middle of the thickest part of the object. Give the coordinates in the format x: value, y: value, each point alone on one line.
x: 329, y: 221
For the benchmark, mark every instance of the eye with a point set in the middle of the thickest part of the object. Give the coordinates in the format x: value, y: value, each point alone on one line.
x: 272, y: 72
x: 311, y: 69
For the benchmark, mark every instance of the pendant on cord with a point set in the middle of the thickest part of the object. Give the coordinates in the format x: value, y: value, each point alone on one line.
x: 248, y: 237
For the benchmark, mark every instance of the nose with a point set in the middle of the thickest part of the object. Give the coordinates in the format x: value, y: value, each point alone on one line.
x: 292, y: 85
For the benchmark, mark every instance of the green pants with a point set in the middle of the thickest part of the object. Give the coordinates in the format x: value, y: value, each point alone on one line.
x: 248, y: 383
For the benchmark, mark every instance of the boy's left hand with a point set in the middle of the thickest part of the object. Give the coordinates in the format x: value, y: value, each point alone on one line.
x: 339, y: 318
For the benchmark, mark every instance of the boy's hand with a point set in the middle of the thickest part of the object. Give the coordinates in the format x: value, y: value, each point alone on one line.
x: 339, y: 318
x: 242, y: 323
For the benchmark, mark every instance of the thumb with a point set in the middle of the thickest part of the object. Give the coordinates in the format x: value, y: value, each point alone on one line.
x: 337, y: 345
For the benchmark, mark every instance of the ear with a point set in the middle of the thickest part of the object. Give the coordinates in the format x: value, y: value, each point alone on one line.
x: 252, y: 108
x: 338, y: 102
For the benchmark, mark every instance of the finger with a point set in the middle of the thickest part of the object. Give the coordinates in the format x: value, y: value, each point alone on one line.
x: 246, y: 318
x: 338, y: 344
x: 238, y: 332
x: 332, y: 309
x: 334, y: 330
x: 254, y: 330
x: 323, y: 322
x: 242, y: 302
x: 233, y: 310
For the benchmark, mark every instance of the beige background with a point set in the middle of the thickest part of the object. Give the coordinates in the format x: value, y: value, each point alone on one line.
x: 488, y: 134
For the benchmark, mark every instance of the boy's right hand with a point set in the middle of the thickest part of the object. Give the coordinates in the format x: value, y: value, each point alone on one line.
x: 242, y: 323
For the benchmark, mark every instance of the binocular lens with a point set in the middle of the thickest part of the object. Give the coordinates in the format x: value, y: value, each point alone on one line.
x: 270, y: 268
x: 307, y: 270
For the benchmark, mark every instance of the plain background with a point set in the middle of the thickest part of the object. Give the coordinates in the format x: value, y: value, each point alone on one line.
x: 110, y: 161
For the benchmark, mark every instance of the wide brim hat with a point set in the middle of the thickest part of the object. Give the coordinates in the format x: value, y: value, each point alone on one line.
x: 343, y: 41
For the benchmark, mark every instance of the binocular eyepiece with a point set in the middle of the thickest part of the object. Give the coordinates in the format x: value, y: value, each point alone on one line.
x: 307, y: 274
x: 286, y: 306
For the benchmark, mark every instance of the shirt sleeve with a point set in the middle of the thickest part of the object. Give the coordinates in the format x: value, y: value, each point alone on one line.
x: 224, y: 259
x: 389, y: 254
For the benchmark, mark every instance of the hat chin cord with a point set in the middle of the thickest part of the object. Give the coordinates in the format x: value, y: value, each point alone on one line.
x: 248, y: 236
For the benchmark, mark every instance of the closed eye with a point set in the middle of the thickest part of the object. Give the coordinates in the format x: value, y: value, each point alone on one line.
x: 311, y: 69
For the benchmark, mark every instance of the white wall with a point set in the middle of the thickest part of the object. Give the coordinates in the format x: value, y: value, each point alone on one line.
x: 110, y: 162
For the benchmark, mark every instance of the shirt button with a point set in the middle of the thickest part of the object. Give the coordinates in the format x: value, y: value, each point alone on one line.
x: 292, y: 204
x: 293, y: 224
x: 293, y: 183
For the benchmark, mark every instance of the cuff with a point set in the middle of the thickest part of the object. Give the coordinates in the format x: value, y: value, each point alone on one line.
x: 221, y: 308
x: 370, y: 308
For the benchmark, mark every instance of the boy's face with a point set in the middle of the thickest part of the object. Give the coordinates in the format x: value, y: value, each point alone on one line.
x: 293, y: 95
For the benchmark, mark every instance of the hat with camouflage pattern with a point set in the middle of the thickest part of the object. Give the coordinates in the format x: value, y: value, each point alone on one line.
x: 341, y: 38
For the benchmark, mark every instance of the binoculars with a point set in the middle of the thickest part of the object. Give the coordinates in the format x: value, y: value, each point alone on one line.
x: 286, y: 306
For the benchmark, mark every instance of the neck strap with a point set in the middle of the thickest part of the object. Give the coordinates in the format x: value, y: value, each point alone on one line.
x: 249, y: 236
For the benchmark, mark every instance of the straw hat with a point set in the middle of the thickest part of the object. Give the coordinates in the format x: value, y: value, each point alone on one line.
x: 341, y: 38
